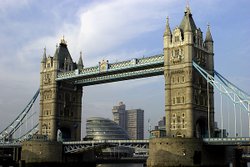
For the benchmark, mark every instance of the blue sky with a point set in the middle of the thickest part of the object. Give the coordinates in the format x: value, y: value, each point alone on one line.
x: 115, y: 30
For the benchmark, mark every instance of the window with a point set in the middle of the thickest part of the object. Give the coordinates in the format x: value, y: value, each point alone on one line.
x: 178, y: 99
x: 176, y: 52
x: 176, y: 39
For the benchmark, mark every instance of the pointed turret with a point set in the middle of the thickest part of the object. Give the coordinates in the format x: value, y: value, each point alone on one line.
x: 80, y: 62
x: 61, y: 54
x: 44, y: 56
x: 208, y: 35
x: 188, y: 26
x: 187, y: 23
x: 167, y: 30
x: 209, y: 43
x: 167, y: 35
x: 56, y: 53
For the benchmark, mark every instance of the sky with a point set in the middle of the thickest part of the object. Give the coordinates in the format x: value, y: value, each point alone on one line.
x: 113, y: 30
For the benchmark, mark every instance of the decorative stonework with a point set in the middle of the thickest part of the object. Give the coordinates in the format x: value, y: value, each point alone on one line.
x: 177, y: 55
x: 103, y: 65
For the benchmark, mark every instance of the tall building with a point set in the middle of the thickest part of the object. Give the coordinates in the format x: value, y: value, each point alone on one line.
x: 132, y: 121
x: 98, y: 128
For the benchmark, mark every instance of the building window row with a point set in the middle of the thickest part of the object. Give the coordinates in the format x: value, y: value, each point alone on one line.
x: 178, y: 100
x: 178, y: 79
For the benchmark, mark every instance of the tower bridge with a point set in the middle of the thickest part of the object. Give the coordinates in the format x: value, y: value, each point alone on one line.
x: 187, y: 64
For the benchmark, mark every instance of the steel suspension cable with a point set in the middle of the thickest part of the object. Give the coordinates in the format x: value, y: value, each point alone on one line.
x: 19, y: 118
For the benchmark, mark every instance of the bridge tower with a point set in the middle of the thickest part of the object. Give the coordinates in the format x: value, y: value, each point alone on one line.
x: 60, y: 102
x: 189, y: 99
x: 186, y: 101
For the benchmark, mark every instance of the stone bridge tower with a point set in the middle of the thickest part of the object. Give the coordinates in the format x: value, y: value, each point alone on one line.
x: 60, y: 102
x: 186, y: 101
x: 189, y: 100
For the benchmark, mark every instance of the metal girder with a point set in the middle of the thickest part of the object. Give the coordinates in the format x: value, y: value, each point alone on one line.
x: 120, y: 76
x: 80, y: 146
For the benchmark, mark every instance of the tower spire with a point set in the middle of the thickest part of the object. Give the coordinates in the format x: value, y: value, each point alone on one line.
x: 44, y: 55
x: 187, y: 23
x: 167, y: 30
x: 208, y: 34
x: 80, y: 62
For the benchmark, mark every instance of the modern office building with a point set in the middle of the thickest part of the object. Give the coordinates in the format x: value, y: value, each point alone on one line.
x: 132, y: 121
x: 104, y: 129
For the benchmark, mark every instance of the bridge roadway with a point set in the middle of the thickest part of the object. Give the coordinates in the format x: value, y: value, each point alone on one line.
x: 107, y: 72
x: 140, y: 145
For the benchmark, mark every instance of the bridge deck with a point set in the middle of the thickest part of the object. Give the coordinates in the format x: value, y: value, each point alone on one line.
x: 112, y: 72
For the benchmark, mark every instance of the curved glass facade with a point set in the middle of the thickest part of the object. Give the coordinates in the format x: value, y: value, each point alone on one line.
x: 104, y: 129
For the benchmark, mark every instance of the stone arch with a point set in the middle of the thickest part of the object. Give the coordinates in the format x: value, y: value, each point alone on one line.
x: 201, y: 128
x: 65, y: 133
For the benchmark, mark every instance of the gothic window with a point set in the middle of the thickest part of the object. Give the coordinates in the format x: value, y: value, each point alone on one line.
x: 176, y: 52
x: 178, y: 100
x: 177, y: 39
x: 174, y: 115
x: 183, y: 79
x: 178, y: 119
x: 173, y: 100
x: 183, y: 115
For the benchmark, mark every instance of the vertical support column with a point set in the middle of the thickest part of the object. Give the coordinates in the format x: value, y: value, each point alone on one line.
x: 221, y: 114
x: 208, y: 109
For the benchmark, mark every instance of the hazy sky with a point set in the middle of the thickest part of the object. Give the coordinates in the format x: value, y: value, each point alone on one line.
x: 116, y: 30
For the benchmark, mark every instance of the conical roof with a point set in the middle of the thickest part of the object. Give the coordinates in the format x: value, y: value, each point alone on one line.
x: 44, y: 56
x: 187, y: 23
x: 208, y: 35
x: 62, y: 53
x: 168, y: 30
x: 80, y: 62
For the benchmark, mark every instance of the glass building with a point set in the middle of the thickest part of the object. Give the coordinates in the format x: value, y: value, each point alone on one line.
x: 104, y: 129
